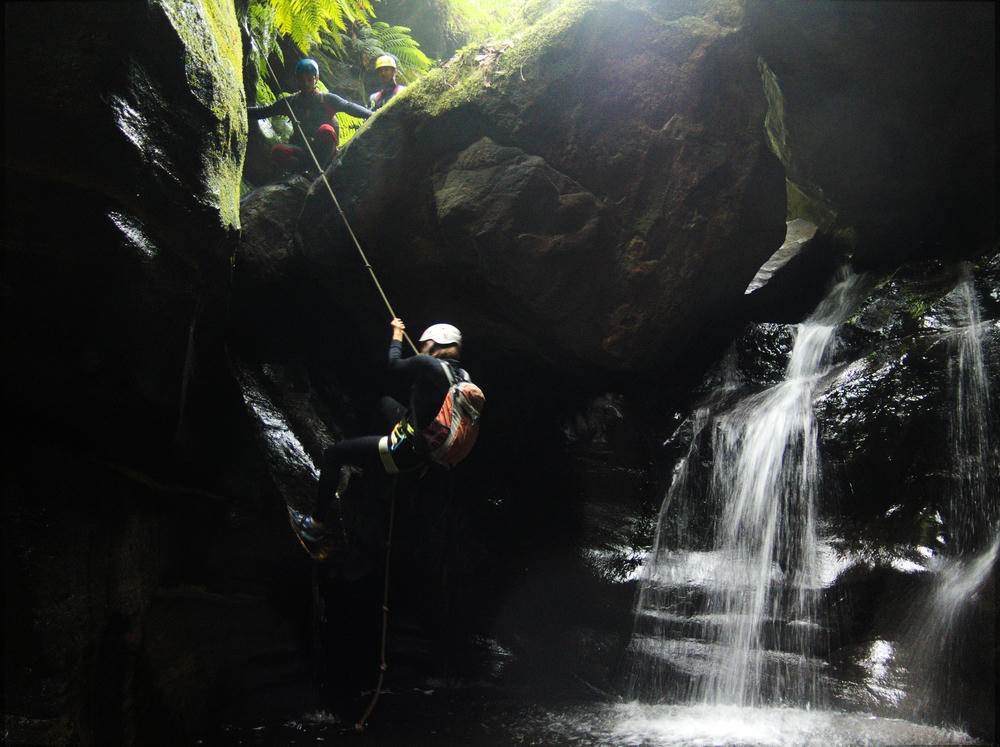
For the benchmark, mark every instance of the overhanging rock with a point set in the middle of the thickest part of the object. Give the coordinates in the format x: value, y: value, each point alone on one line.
x: 601, y: 189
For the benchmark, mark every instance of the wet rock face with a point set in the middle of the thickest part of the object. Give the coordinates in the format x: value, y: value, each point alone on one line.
x: 124, y: 137
x: 886, y: 114
x: 894, y: 495
x: 886, y: 405
x: 888, y: 414
x: 121, y: 217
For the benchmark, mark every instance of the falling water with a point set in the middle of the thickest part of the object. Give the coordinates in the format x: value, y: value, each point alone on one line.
x: 736, y: 618
x: 973, y: 505
x: 961, y: 572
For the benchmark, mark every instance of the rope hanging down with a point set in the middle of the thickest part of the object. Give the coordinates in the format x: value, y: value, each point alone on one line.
x: 384, y: 665
x: 336, y: 203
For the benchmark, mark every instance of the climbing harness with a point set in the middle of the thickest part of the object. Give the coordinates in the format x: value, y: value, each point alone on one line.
x: 375, y: 100
x: 388, y: 444
x: 336, y: 203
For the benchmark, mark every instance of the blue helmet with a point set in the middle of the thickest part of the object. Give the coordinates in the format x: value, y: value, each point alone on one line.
x: 307, y: 66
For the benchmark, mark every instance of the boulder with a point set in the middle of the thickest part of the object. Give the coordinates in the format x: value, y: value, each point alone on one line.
x: 588, y: 200
x: 597, y: 192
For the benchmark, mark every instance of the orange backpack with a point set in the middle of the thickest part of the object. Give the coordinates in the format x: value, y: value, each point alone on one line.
x: 453, y: 432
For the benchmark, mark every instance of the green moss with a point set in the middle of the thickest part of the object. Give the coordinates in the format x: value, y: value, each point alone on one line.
x: 774, y: 119
x: 918, y: 307
x: 464, y: 78
x: 213, y: 68
x: 543, y: 35
x: 801, y: 205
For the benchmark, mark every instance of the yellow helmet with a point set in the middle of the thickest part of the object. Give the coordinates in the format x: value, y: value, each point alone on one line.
x: 386, y: 60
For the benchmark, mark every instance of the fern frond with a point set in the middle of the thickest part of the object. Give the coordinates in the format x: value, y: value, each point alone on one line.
x: 396, y: 40
x: 332, y: 11
x: 348, y: 126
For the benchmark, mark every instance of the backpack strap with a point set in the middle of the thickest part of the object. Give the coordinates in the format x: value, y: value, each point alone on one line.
x: 455, y: 376
x: 454, y: 373
x: 448, y: 372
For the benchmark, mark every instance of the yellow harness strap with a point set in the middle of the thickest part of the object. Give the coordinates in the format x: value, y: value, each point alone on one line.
x: 388, y: 444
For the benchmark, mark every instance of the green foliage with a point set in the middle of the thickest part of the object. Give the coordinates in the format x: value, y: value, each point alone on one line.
x: 484, y: 19
x: 258, y: 22
x: 304, y: 20
x: 918, y: 307
x: 355, y: 52
x: 341, y: 34
x: 396, y: 40
x: 363, y: 44
x: 345, y: 38
x: 348, y: 126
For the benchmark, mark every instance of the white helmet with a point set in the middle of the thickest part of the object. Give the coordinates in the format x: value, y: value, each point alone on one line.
x: 442, y: 334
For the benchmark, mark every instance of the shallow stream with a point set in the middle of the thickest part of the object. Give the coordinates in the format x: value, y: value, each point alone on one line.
x: 485, y: 717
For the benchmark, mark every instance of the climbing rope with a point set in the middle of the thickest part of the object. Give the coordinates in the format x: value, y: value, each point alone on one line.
x: 383, y: 666
x: 329, y: 189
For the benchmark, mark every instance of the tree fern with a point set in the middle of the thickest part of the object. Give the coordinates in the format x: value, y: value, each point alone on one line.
x: 365, y: 43
x: 341, y: 34
x: 348, y: 126
x: 305, y: 22
x: 396, y: 40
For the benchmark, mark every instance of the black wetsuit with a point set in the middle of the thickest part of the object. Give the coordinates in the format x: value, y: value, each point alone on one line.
x: 312, y: 111
x: 428, y: 385
x: 316, y: 113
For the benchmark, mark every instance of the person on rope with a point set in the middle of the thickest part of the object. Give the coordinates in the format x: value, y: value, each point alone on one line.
x: 385, y: 69
x: 316, y: 112
x: 440, y: 425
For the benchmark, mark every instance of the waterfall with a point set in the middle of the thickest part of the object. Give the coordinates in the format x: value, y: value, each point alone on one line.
x: 730, y: 610
x: 973, y: 510
x: 943, y: 620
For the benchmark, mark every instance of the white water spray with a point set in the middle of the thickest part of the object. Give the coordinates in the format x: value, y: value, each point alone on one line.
x: 973, y: 525
x: 973, y: 506
x: 742, y: 615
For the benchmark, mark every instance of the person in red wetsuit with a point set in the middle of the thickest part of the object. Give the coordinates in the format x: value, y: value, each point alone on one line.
x: 316, y: 112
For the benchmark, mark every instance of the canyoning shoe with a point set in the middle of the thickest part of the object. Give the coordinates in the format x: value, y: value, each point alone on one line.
x: 316, y: 538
